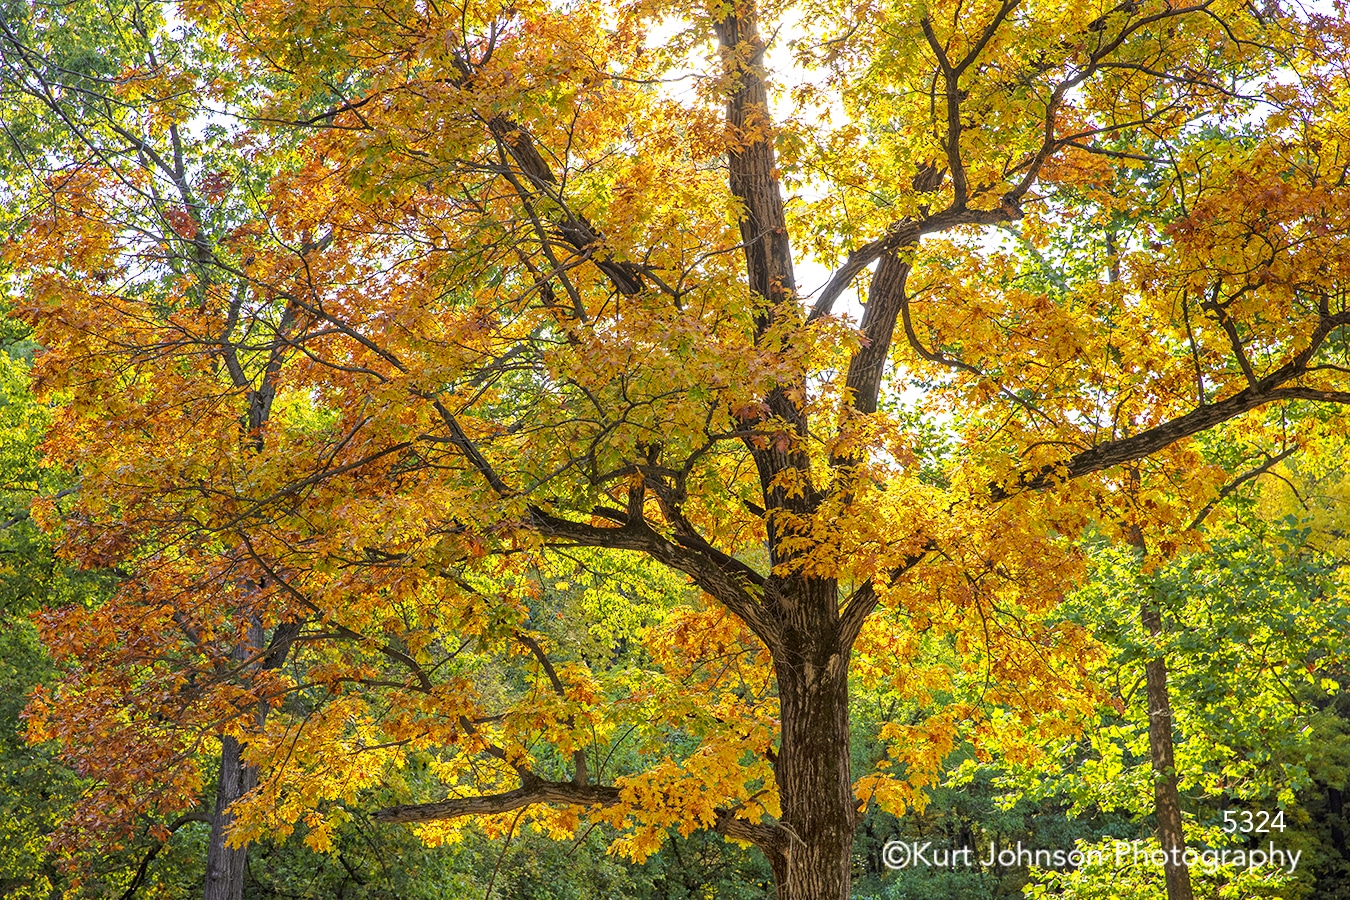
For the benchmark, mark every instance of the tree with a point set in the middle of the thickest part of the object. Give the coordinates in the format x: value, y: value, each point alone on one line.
x: 506, y: 309
x: 1253, y: 649
x: 103, y: 85
x: 33, y: 788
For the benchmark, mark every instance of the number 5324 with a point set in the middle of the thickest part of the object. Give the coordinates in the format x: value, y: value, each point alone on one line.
x: 1248, y: 822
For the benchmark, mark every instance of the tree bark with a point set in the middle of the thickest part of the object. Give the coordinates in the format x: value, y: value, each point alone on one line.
x: 815, y: 783
x: 1167, y: 799
x: 800, y: 616
x: 224, y: 864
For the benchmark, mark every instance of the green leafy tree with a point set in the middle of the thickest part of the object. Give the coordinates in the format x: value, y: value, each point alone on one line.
x: 1254, y: 642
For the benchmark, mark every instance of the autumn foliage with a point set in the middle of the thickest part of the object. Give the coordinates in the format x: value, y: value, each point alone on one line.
x: 439, y: 382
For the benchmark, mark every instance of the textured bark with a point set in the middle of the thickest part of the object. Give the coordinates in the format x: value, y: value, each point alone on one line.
x: 753, y: 166
x: 529, y: 793
x: 1167, y: 799
x: 815, y: 784
x: 225, y: 865
x: 884, y: 299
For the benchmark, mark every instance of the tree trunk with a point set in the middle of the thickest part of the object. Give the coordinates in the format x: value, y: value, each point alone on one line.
x: 815, y: 782
x: 225, y: 865
x: 1167, y: 799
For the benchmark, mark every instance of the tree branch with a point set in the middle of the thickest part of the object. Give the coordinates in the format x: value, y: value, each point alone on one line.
x: 153, y: 852
x: 535, y: 791
x: 579, y: 775
x: 770, y: 836
x: 863, y: 601
x: 884, y: 299
x: 470, y: 451
x: 1230, y: 487
x: 1113, y: 453
x: 730, y: 581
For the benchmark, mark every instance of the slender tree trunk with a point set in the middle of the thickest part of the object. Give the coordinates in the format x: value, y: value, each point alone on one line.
x: 1167, y: 799
x: 814, y: 779
x: 225, y: 865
